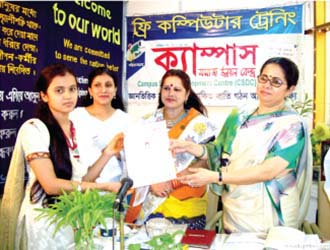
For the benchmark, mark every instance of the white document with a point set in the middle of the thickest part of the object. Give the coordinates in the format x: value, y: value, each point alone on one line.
x: 238, y: 241
x: 287, y: 238
x: 278, y: 238
x: 148, y: 157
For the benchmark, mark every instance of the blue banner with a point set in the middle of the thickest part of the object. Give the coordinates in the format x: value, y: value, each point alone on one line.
x: 279, y: 20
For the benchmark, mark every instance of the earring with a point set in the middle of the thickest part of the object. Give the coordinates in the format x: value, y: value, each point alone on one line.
x: 114, y: 97
x: 90, y: 97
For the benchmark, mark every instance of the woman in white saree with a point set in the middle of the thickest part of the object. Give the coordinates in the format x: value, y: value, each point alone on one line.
x: 46, y: 148
x: 261, y: 161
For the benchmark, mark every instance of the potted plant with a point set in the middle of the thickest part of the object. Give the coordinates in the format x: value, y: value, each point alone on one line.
x: 304, y: 107
x: 83, y: 212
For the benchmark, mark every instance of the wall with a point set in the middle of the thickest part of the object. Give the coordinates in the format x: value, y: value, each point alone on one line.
x: 327, y: 98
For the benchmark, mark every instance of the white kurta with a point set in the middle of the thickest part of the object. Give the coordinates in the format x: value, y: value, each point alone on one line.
x: 93, y: 135
x: 35, y: 138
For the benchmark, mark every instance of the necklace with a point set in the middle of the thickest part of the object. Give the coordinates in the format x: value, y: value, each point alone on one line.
x: 171, y: 123
x: 71, y: 140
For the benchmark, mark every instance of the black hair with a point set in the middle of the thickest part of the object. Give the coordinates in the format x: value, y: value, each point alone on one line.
x: 117, y: 101
x: 58, y: 148
x: 193, y: 99
x: 290, y: 69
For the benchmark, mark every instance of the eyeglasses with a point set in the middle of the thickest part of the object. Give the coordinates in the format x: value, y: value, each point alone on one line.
x: 274, y: 81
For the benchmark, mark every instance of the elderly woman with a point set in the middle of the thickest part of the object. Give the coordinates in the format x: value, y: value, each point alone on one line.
x: 260, y: 162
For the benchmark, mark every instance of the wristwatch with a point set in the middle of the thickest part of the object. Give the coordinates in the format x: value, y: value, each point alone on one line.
x: 220, y: 175
x: 79, y: 187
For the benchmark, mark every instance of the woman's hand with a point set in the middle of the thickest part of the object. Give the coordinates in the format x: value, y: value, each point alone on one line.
x: 180, y: 146
x: 162, y: 189
x: 113, y: 148
x: 115, y: 145
x: 197, y: 177
x: 112, y: 187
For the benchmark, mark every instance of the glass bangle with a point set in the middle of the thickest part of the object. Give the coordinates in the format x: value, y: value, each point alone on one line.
x: 203, y: 152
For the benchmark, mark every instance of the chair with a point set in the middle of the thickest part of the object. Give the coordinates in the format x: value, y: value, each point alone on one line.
x: 215, y: 223
x: 323, y: 200
x: 323, y: 211
x: 311, y: 228
x: 213, y: 216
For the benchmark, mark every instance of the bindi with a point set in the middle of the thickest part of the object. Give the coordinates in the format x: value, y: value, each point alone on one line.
x: 171, y: 86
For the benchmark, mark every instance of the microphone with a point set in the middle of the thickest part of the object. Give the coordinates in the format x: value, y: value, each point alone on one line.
x: 126, y: 183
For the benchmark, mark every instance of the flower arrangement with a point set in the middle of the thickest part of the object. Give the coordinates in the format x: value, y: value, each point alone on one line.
x: 319, y: 134
x: 83, y: 212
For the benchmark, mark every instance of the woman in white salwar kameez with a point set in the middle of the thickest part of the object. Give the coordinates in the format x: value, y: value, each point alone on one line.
x: 261, y: 161
x: 99, y: 120
x: 46, y: 147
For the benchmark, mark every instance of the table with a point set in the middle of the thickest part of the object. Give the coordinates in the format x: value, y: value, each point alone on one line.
x: 235, y: 241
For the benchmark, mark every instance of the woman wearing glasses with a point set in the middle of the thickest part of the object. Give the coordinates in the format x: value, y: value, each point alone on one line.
x: 261, y: 161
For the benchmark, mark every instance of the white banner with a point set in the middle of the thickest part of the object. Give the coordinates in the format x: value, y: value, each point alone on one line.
x: 223, y: 71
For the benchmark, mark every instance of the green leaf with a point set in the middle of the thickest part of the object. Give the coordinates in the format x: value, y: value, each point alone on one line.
x: 82, y: 211
x: 134, y: 247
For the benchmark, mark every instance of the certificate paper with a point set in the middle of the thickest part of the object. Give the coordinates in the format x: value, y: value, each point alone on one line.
x: 148, y: 157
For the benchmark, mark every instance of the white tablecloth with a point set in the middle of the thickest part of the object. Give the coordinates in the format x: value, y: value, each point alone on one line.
x: 239, y: 241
